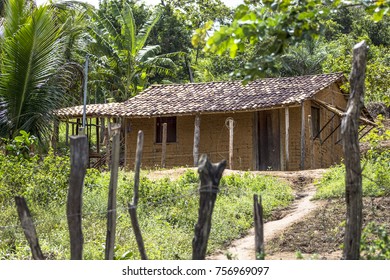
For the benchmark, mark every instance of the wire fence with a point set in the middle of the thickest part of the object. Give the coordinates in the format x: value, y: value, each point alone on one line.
x: 166, y: 200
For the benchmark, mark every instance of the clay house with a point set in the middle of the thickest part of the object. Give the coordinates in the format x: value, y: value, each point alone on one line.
x: 269, y: 124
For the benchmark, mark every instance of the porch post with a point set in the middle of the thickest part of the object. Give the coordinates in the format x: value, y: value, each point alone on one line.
x: 302, y: 164
x: 125, y: 140
x: 196, y: 140
x: 164, y: 145
x: 67, y: 133
x: 287, y: 121
x: 311, y: 143
x: 255, y: 140
x: 231, y: 133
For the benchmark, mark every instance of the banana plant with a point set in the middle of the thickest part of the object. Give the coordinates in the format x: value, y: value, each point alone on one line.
x: 123, y: 61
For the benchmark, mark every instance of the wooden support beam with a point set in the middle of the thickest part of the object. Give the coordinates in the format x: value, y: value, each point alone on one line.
x: 231, y: 146
x: 303, y: 146
x: 55, y: 136
x: 97, y: 136
x: 255, y: 141
x: 126, y: 123
x: 67, y: 133
x: 102, y: 130
x: 196, y: 140
x: 164, y: 145
x: 311, y: 141
x: 287, y: 126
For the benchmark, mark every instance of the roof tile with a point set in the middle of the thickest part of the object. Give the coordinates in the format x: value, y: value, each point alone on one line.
x: 179, y: 99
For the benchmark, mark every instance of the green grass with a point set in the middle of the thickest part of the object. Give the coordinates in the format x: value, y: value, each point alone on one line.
x: 167, y: 211
x: 375, y: 176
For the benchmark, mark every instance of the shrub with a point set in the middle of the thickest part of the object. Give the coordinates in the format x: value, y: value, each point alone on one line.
x: 375, y: 243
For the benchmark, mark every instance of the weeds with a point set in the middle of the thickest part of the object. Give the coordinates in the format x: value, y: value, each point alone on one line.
x: 167, y: 210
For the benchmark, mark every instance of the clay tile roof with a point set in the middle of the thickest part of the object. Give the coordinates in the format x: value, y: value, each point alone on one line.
x: 93, y: 110
x: 213, y: 97
x: 231, y: 96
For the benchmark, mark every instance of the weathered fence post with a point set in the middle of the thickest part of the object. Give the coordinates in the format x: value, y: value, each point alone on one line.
x: 133, y: 206
x: 210, y: 176
x: 111, y: 208
x: 350, y: 134
x: 164, y: 145
x: 259, y: 227
x: 78, y: 167
x: 28, y: 228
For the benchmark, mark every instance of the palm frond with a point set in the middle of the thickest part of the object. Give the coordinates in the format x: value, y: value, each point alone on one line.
x: 31, y: 59
x: 15, y: 16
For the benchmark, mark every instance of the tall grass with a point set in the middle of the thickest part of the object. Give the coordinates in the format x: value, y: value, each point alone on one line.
x: 376, y: 178
x: 167, y: 212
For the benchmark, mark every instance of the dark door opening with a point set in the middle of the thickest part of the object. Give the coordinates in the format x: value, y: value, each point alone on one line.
x: 269, y: 140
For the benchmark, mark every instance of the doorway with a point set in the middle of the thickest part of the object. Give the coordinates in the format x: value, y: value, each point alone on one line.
x: 269, y: 140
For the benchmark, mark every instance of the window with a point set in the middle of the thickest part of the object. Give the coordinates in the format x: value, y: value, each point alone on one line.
x: 315, y: 121
x: 171, y: 129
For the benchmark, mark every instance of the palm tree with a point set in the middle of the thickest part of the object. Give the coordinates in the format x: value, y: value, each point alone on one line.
x: 303, y: 59
x: 123, y: 63
x: 33, y: 80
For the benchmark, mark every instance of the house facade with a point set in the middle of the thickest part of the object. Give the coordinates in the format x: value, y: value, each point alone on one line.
x: 269, y: 124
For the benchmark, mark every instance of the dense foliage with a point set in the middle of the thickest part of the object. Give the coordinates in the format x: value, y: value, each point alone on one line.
x: 167, y: 209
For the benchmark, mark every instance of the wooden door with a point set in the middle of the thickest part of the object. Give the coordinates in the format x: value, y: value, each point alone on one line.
x: 269, y: 140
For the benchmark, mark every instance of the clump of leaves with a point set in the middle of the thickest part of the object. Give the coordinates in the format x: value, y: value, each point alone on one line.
x: 22, y: 146
x: 375, y: 243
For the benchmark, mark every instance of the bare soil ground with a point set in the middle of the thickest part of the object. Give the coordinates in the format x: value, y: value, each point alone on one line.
x: 309, y: 229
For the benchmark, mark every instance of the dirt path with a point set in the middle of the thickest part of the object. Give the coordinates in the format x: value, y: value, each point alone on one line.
x: 243, y: 249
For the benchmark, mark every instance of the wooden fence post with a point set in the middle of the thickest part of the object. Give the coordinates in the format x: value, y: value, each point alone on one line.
x: 28, y: 228
x: 133, y: 206
x: 111, y: 208
x: 210, y: 176
x: 78, y: 166
x: 164, y: 145
x: 353, y: 176
x: 259, y: 227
